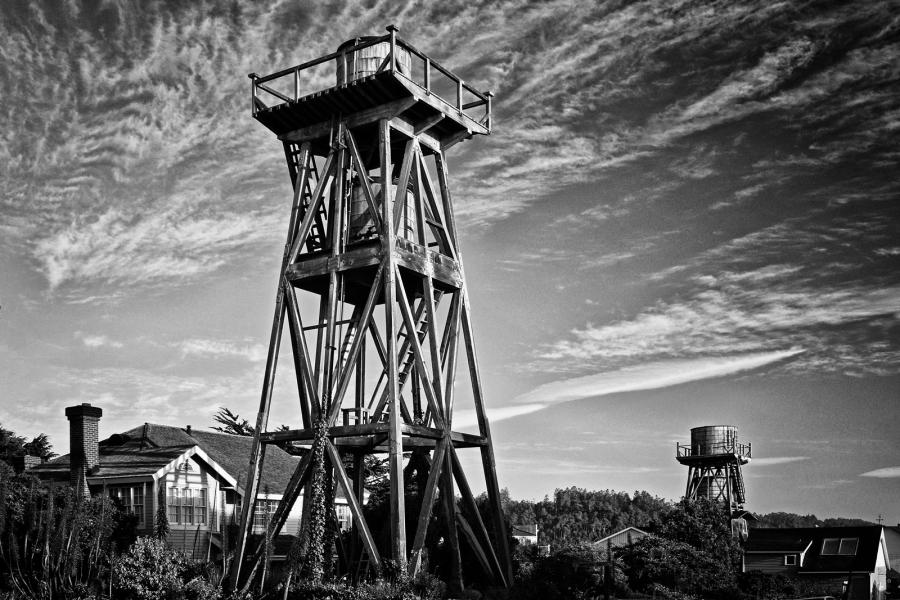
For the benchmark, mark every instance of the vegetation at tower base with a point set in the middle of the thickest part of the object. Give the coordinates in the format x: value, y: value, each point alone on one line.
x: 56, y: 545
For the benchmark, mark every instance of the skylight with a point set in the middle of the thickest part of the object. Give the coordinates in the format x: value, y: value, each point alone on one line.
x: 839, y: 546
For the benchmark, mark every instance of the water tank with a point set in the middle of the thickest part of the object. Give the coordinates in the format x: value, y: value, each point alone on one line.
x: 362, y: 226
x: 713, y: 439
x: 366, y: 61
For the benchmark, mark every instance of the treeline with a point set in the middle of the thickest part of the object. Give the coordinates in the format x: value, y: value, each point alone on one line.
x: 576, y: 515
x: 786, y: 519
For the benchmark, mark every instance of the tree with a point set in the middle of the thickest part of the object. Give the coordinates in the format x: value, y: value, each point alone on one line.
x: 693, y: 552
x: 15, y: 445
x: 232, y: 423
x: 161, y: 523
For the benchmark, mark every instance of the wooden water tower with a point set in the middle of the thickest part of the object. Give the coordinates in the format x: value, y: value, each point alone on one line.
x: 372, y: 293
x: 714, y: 459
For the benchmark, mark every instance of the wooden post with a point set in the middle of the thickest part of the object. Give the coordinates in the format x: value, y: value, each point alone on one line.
x: 393, y: 31
x: 395, y: 435
x: 253, y: 77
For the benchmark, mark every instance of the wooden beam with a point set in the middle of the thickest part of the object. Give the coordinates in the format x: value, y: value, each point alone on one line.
x: 291, y: 492
x: 487, y: 451
x: 408, y: 128
x: 358, y: 340
x: 363, y: 173
x: 298, y: 341
x: 444, y: 183
x: 415, y: 558
x: 395, y: 438
x: 311, y: 210
x: 257, y: 451
x: 319, y: 130
x: 469, y: 501
x: 403, y: 375
x: 402, y: 183
x: 440, y: 230
x: 474, y: 544
x: 433, y: 401
x: 452, y: 350
x: 448, y: 500
x: 426, y: 124
x: 354, y: 505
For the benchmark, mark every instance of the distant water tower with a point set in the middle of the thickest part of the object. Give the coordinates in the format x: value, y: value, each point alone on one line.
x: 714, y: 458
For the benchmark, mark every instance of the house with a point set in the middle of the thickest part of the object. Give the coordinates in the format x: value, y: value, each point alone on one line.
x: 197, y: 475
x: 855, y: 555
x: 619, y: 539
x: 525, y: 534
x: 892, y: 538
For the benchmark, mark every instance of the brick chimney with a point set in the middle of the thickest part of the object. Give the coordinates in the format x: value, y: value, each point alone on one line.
x: 84, y: 451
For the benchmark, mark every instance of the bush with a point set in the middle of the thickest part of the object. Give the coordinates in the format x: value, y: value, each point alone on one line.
x: 151, y: 570
x: 54, y: 544
x: 573, y: 572
x: 424, y: 587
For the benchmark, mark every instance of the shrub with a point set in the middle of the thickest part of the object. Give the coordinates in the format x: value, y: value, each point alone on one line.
x: 151, y: 570
x: 54, y: 543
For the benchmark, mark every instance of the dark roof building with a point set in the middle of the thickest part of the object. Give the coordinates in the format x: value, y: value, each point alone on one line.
x: 199, y: 475
x: 149, y: 447
x: 857, y: 555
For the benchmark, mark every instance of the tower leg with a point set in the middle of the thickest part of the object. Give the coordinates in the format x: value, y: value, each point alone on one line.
x: 395, y: 434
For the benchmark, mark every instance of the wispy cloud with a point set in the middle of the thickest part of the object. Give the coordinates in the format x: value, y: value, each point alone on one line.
x: 247, y: 350
x: 731, y: 312
x: 98, y: 341
x: 465, y: 419
x: 642, y: 377
x: 650, y: 376
x: 562, y: 467
x: 769, y: 461
x: 883, y: 473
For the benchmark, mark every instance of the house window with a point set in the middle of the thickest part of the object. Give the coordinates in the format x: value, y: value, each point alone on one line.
x: 345, y: 521
x: 131, y: 499
x: 790, y: 560
x: 200, y: 506
x: 187, y: 506
x: 840, y: 546
x: 173, y: 505
x: 263, y: 513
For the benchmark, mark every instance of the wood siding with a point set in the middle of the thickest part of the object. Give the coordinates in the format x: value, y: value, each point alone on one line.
x: 769, y: 563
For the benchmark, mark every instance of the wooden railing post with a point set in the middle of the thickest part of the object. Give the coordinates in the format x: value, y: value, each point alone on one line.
x: 427, y: 74
x: 459, y: 95
x: 393, y: 31
x: 296, y: 84
x: 490, y: 118
x: 253, y: 77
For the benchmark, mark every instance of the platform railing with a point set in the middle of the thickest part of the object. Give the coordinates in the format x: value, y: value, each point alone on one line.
x: 715, y: 449
x: 276, y: 89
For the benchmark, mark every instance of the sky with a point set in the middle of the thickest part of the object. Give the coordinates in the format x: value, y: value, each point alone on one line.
x: 688, y: 214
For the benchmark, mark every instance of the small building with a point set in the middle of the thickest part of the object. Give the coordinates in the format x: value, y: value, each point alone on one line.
x: 619, y: 539
x: 198, y: 475
x: 853, y: 556
x: 526, y: 535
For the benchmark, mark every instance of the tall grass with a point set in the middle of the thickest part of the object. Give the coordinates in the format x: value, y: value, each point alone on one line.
x: 55, y: 544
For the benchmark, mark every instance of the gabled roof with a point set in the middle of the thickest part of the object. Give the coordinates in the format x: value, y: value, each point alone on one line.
x: 146, y: 449
x: 777, y: 540
x: 795, y: 540
x: 634, y: 530
x: 526, y: 530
